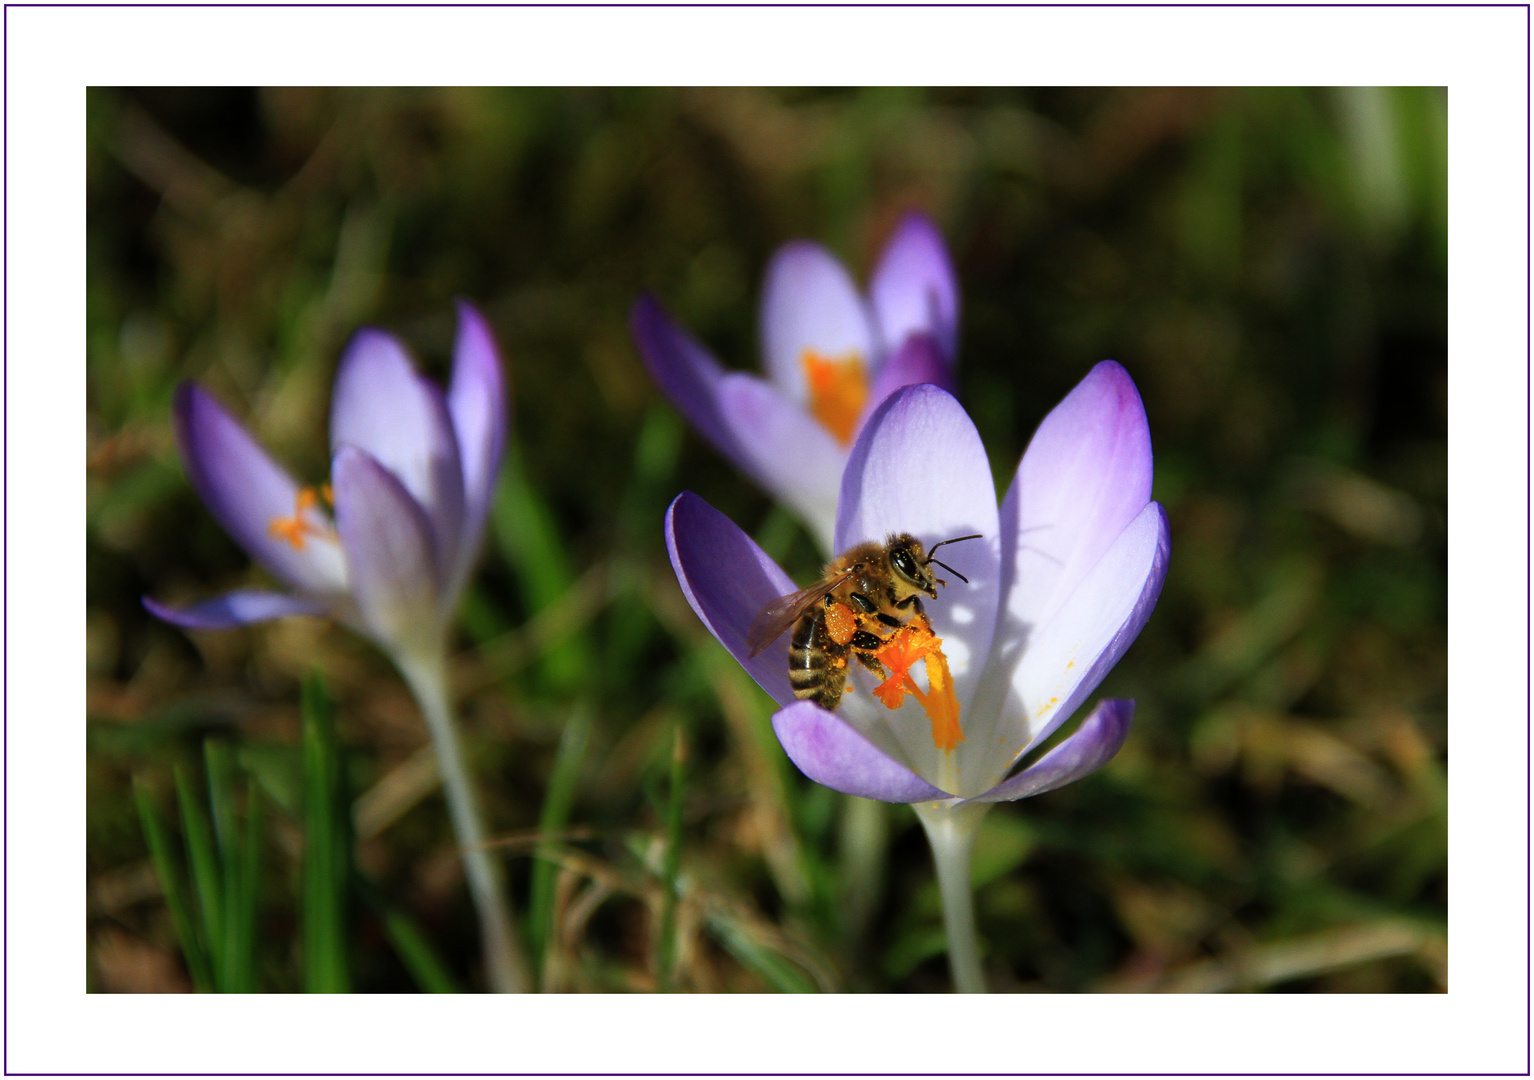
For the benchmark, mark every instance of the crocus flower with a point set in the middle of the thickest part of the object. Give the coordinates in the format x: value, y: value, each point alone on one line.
x: 1063, y: 579
x: 831, y: 356
x: 412, y: 474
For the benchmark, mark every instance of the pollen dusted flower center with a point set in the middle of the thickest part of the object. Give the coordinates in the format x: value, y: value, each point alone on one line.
x: 299, y: 527
x: 912, y: 642
x: 838, y: 389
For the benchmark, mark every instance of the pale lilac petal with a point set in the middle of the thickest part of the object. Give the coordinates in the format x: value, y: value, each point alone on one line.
x: 809, y: 301
x: 382, y: 406
x: 728, y: 580
x: 1084, y: 751
x: 919, y: 360
x: 1085, y: 476
x: 390, y: 551
x: 919, y: 467
x: 686, y: 371
x: 246, y: 491
x: 476, y: 401
x: 788, y: 453
x: 239, y: 608
x: 829, y: 751
x: 1064, y: 660
x: 914, y: 288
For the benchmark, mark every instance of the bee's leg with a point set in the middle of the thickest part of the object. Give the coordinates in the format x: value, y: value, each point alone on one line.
x: 913, y: 603
x: 864, y: 640
x: 868, y: 606
x: 872, y: 664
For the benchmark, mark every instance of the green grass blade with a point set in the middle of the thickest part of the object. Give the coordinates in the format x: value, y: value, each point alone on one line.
x: 248, y: 889
x: 219, y: 762
x: 325, y: 848
x: 174, y: 888
x: 667, y: 945
x: 207, y: 877
x: 780, y: 973
x: 527, y: 536
x: 410, y: 943
x: 554, y: 817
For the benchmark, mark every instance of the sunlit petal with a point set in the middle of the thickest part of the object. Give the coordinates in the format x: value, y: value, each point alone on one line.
x: 476, y: 402
x: 914, y: 288
x: 1085, y: 476
x: 919, y: 467
x: 809, y: 301
x: 381, y: 405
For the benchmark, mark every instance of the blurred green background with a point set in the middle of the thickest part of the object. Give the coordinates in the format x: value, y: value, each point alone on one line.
x: 1270, y: 266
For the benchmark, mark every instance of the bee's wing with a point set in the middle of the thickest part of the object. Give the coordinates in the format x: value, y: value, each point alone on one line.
x: 783, y: 612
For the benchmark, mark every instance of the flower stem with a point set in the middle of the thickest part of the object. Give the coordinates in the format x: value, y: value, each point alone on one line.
x: 504, y: 965
x: 951, y: 832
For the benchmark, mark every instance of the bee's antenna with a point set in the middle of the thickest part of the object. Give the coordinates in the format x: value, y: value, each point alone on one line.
x: 955, y: 540
x: 945, y: 566
x: 950, y: 569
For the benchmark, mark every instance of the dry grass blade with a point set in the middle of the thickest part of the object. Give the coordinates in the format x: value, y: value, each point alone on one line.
x: 396, y: 793
x: 1313, y: 954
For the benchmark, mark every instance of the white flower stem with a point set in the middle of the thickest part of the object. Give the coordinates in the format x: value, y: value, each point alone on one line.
x: 504, y: 966
x: 951, y: 832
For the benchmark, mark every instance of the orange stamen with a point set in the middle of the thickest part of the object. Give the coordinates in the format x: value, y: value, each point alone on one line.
x: 296, y: 529
x: 912, y: 642
x: 838, y: 391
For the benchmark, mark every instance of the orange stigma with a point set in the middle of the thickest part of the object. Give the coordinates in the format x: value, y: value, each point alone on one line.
x: 296, y: 529
x: 912, y: 642
x: 838, y: 391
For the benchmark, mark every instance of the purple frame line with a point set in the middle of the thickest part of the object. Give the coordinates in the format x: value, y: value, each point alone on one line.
x: 5, y: 559
x: 5, y: 506
x: 776, y: 4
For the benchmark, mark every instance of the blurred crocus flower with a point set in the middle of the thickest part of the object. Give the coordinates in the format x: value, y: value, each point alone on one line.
x: 412, y: 474
x: 1066, y: 575
x: 831, y: 356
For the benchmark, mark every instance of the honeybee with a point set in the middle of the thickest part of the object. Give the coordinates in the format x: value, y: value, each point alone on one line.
x: 866, y: 593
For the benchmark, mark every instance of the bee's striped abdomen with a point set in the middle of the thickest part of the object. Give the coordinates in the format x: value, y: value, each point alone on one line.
x: 817, y: 666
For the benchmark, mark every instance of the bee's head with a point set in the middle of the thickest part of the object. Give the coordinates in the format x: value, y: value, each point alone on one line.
x: 908, y: 567
x: 909, y: 561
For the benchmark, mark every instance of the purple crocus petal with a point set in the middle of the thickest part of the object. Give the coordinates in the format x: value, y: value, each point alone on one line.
x: 789, y: 454
x: 809, y: 302
x: 476, y: 401
x: 919, y: 360
x: 1084, y: 478
x: 831, y: 752
x: 685, y: 370
x: 247, y: 491
x: 914, y: 289
x: 239, y: 608
x: 1065, y: 659
x: 381, y: 406
x: 390, y: 551
x: 728, y: 580
x: 919, y: 467
x: 1084, y: 751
